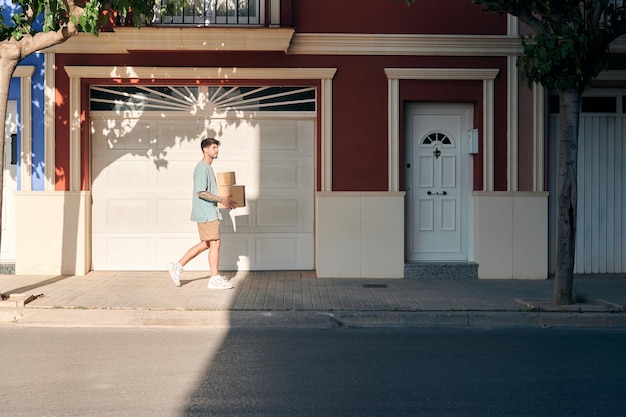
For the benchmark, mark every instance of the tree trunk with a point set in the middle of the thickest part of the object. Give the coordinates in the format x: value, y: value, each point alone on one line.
x: 567, y: 196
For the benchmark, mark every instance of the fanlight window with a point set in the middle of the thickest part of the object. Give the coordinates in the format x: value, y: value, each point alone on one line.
x: 202, y: 99
x: 437, y: 138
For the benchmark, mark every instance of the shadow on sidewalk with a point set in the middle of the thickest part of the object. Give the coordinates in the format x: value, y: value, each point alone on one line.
x: 39, y: 284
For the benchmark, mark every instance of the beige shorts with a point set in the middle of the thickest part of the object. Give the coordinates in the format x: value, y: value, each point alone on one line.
x: 209, y: 230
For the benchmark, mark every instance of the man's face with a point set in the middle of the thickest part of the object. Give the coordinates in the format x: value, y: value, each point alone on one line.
x: 212, y: 150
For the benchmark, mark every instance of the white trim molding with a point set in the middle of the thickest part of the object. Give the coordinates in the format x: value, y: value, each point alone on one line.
x: 513, y: 125
x: 25, y: 73
x: 49, y: 128
x: 127, y: 39
x: 539, y: 126
x: 512, y: 23
x: 404, y: 44
x: 394, y: 75
x: 325, y: 75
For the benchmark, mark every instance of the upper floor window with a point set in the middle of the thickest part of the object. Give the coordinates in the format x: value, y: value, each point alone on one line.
x: 596, y: 101
x: 212, y: 12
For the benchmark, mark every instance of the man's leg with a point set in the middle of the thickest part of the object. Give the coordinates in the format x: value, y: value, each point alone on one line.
x: 214, y: 256
x: 193, y: 252
x: 176, y: 268
x: 216, y: 281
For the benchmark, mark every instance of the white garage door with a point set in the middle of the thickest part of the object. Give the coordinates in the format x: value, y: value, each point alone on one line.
x: 142, y: 185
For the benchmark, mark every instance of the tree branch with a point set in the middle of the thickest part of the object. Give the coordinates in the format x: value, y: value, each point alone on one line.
x: 41, y: 40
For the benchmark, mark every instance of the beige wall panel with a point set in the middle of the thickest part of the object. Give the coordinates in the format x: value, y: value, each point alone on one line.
x: 352, y: 227
x: 530, y: 232
x: 61, y: 220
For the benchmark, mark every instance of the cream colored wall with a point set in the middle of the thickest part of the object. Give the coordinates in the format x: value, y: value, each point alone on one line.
x: 55, y: 233
x: 511, y: 234
x: 360, y: 234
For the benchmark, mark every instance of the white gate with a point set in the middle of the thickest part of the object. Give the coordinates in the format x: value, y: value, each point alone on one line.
x: 601, y: 218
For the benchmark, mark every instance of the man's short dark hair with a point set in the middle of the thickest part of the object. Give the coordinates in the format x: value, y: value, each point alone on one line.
x: 208, y: 142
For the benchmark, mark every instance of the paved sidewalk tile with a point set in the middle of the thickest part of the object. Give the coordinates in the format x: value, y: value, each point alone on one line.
x: 293, y: 291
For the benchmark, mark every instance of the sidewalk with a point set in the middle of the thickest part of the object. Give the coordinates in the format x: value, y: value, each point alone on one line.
x: 288, y: 298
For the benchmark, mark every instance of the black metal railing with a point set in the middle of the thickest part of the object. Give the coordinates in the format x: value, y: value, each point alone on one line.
x: 271, y: 13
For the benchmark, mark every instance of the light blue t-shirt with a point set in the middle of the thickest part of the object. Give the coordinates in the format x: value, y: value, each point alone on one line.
x: 204, y: 180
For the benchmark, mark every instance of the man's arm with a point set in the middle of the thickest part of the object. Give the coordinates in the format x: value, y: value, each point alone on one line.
x: 225, y: 201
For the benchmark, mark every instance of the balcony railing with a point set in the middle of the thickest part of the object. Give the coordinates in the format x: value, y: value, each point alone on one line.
x: 270, y: 13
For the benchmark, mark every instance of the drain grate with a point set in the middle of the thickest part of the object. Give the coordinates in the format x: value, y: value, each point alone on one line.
x: 374, y: 286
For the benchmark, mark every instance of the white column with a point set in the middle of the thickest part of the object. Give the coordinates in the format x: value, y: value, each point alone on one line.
x: 49, y: 112
x: 25, y: 72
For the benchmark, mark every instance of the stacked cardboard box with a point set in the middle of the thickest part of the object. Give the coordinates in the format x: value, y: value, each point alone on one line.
x: 227, y: 187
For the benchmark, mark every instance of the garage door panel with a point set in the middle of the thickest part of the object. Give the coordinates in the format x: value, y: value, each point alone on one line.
x: 167, y: 244
x: 272, y: 250
x: 278, y: 214
x: 118, y: 134
x: 280, y: 136
x: 128, y: 214
x: 240, y: 217
x: 180, y: 136
x: 279, y: 175
x: 234, y: 253
x: 175, y: 176
x: 123, y: 251
x: 306, y: 136
x: 283, y: 252
x: 237, y: 138
x: 129, y: 174
x: 244, y: 170
x: 172, y: 213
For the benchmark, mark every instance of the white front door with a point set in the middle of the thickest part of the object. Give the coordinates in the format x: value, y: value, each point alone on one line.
x: 437, y: 182
x: 7, y: 253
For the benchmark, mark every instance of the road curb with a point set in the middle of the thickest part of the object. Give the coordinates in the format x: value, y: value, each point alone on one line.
x: 480, y: 319
x: 120, y: 318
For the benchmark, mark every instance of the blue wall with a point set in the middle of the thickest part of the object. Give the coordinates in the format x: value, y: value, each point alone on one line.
x: 37, y: 108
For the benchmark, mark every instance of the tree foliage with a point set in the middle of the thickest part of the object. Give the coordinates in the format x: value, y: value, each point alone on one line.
x: 570, y: 42
x: 30, y: 18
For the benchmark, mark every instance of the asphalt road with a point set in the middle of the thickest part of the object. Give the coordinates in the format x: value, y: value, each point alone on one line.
x: 312, y: 372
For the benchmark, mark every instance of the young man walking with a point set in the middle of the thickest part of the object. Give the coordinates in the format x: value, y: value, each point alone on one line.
x: 205, y: 213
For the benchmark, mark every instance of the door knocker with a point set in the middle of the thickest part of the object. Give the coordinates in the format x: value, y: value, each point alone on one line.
x: 436, y: 152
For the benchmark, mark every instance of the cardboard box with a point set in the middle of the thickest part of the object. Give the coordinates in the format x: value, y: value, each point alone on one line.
x: 226, y: 178
x: 237, y: 193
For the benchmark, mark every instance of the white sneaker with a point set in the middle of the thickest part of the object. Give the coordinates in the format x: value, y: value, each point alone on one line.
x: 218, y: 282
x: 176, y: 270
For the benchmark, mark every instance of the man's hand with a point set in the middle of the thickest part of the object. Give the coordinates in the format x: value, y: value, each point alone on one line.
x: 228, y: 203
